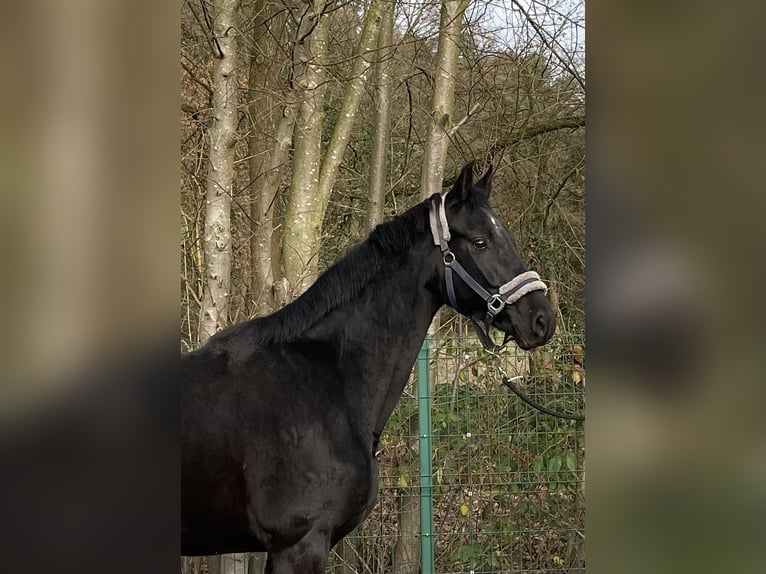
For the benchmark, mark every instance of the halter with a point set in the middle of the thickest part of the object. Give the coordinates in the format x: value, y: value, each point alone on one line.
x: 507, y: 294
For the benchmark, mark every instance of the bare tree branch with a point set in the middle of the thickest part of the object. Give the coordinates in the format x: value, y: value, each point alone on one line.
x: 558, y: 124
x: 543, y: 36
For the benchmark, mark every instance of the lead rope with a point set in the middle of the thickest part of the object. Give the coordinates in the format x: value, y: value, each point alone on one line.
x: 509, y: 382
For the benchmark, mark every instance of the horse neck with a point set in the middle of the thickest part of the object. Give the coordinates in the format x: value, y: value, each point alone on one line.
x: 379, y: 333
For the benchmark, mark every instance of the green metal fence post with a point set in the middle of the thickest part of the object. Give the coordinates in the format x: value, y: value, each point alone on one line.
x: 425, y: 453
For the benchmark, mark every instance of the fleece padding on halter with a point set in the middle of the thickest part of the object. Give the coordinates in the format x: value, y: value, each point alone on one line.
x: 438, y: 219
x: 520, y: 285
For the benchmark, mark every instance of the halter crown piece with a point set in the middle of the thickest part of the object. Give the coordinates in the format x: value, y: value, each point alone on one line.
x: 507, y: 294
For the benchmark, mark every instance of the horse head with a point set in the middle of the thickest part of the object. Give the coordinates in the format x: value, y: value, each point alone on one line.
x: 483, y: 276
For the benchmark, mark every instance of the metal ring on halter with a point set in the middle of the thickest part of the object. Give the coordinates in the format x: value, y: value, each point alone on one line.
x: 495, y: 304
x: 448, y: 257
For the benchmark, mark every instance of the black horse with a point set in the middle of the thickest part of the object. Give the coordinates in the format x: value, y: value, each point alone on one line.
x: 281, y: 415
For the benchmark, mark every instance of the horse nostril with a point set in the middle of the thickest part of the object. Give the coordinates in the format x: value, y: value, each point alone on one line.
x: 540, y: 324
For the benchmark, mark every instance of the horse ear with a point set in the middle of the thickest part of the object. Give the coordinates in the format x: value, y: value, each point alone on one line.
x: 486, y: 181
x: 461, y: 190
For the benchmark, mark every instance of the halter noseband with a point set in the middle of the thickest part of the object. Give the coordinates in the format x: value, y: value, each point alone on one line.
x: 507, y: 294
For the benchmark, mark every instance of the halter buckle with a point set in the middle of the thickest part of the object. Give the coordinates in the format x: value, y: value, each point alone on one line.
x: 495, y: 304
x: 448, y: 257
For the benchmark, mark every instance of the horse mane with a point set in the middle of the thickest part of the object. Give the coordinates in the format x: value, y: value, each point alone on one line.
x: 338, y: 285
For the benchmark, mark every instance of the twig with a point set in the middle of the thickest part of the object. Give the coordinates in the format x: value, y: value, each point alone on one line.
x: 542, y: 35
x: 456, y: 127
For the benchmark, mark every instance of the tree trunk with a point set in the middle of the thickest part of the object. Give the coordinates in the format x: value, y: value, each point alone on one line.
x: 256, y: 563
x: 406, y: 554
x: 313, y: 182
x: 267, y: 189
x: 381, y: 135
x: 437, y: 142
x: 406, y: 558
x: 351, y: 98
x: 272, y: 120
x: 303, y: 217
x: 444, y: 96
x: 233, y: 563
x: 220, y: 183
x: 214, y: 564
x: 445, y: 69
x: 191, y: 564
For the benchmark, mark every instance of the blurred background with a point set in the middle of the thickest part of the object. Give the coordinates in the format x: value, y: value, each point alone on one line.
x: 676, y: 452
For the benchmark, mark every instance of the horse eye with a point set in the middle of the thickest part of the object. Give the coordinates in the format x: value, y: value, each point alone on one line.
x: 479, y: 243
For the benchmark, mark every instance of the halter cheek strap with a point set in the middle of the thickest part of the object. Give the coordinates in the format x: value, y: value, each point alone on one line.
x: 507, y: 294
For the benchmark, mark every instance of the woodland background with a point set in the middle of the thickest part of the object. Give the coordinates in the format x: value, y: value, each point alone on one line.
x: 305, y: 123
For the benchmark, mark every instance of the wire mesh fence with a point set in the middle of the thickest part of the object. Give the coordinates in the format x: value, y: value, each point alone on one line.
x: 508, y: 491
